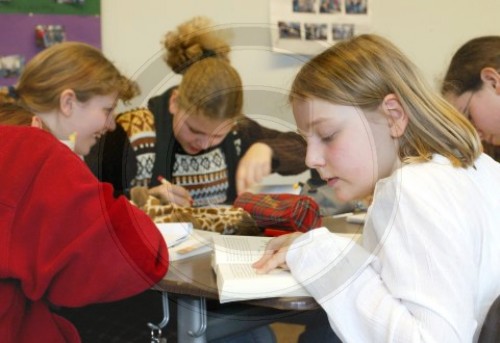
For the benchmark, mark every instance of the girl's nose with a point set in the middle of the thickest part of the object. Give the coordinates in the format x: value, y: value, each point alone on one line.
x: 203, y: 142
x: 110, y: 123
x: 314, y: 159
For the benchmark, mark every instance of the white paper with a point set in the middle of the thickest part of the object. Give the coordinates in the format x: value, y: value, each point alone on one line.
x: 175, y: 233
x: 358, y: 218
x: 197, y: 243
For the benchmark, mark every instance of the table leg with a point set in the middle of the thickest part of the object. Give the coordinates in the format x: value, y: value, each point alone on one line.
x: 157, y: 328
x: 191, y: 319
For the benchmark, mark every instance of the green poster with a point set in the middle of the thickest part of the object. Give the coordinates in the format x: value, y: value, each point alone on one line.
x: 75, y: 7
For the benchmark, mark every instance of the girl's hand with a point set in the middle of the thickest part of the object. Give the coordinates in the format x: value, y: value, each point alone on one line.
x: 171, y: 193
x: 253, y: 166
x: 275, y: 254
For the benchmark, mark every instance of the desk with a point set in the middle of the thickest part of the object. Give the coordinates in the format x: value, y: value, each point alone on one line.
x: 192, y: 281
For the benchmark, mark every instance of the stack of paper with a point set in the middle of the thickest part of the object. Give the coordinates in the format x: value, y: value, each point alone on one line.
x: 357, y: 218
x: 175, y: 233
x: 183, y: 241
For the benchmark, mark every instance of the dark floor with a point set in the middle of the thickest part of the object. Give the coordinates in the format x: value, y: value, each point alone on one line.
x: 126, y: 321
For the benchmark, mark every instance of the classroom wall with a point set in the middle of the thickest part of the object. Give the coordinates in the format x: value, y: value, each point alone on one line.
x: 427, y: 30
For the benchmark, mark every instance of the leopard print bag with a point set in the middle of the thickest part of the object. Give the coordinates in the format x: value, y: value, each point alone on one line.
x: 224, y: 220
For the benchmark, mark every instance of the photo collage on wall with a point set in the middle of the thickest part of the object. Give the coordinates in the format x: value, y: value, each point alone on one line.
x: 29, y: 26
x: 308, y: 26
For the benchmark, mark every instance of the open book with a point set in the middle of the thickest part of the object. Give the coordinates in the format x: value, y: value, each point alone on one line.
x: 237, y: 280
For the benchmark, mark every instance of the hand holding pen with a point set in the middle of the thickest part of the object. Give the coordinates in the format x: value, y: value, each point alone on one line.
x: 169, y: 192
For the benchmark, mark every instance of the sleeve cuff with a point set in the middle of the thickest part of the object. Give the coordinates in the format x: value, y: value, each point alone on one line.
x: 324, y: 262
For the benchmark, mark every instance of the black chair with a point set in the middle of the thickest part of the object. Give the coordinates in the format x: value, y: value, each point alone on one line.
x: 490, y: 332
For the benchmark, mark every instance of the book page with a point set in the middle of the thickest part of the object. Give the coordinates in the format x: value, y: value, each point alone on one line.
x: 239, y: 249
x: 240, y: 282
x: 241, y: 271
x: 235, y: 271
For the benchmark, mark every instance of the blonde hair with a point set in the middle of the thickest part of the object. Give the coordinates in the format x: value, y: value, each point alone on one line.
x: 210, y: 85
x: 362, y: 71
x: 70, y: 65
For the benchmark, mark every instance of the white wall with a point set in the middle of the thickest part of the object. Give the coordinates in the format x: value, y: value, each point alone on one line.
x: 427, y: 30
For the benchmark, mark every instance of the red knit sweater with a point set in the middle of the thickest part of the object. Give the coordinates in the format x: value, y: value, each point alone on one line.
x: 64, y: 239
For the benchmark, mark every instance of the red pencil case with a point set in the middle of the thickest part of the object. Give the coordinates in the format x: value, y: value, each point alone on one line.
x: 286, y: 212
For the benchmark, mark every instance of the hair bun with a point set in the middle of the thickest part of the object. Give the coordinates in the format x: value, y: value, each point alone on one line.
x: 192, y: 41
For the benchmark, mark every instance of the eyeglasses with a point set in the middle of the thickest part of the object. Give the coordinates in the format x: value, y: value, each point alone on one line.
x: 466, y: 110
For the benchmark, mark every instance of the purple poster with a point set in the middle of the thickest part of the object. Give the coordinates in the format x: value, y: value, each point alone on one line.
x: 23, y: 35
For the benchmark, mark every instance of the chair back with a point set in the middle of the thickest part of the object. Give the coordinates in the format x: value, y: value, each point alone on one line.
x: 490, y: 332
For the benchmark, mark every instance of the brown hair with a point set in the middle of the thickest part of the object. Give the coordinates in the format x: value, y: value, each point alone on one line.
x: 13, y: 114
x: 464, y: 71
x: 210, y: 85
x: 70, y: 65
x: 363, y: 70
x: 193, y: 41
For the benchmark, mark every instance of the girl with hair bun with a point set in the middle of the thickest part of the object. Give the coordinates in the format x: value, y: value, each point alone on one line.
x: 195, y: 134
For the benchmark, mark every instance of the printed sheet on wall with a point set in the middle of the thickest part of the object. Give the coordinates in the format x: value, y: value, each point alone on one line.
x: 307, y: 27
x: 27, y: 27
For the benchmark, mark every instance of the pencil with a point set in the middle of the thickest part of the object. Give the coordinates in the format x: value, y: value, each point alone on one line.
x: 164, y: 181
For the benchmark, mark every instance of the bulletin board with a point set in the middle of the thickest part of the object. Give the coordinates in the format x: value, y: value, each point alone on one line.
x: 308, y: 26
x: 27, y: 27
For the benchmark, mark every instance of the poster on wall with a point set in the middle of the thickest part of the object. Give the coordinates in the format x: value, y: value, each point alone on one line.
x: 309, y: 26
x: 27, y: 27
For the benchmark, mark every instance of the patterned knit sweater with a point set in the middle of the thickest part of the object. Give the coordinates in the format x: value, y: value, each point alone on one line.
x: 145, y: 142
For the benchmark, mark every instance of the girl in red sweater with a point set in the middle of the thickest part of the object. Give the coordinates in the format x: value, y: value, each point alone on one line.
x: 65, y: 240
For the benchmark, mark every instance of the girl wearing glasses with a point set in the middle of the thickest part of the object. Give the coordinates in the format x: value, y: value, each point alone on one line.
x: 472, y: 85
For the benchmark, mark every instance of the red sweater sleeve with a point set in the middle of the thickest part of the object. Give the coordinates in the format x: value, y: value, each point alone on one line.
x: 71, y: 242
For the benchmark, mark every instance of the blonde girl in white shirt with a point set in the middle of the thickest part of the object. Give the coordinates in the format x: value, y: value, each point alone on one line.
x: 429, y: 265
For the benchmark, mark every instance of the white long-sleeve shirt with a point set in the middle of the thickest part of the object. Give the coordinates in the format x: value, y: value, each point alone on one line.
x: 429, y: 267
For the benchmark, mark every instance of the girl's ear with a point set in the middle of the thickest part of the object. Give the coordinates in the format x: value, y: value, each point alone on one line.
x: 491, y: 78
x: 398, y: 119
x: 173, y: 105
x: 36, y: 122
x: 66, y: 101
